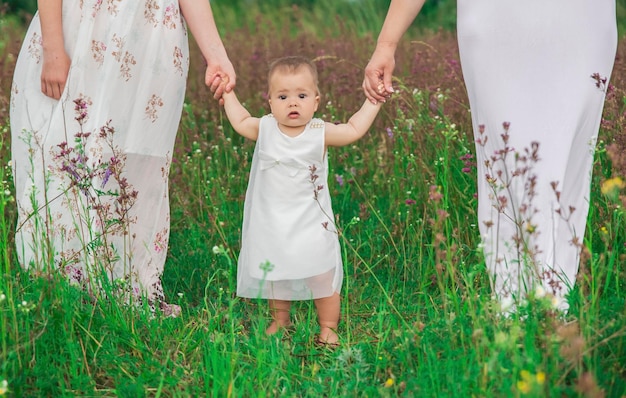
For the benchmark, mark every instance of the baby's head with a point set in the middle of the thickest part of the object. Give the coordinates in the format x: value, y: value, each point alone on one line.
x: 291, y: 65
x: 293, y: 93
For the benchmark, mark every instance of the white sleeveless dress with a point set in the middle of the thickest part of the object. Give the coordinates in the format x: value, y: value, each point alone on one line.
x: 100, y: 203
x: 289, y: 247
x: 530, y: 63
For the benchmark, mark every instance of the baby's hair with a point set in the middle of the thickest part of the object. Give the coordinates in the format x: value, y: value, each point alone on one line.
x: 291, y: 64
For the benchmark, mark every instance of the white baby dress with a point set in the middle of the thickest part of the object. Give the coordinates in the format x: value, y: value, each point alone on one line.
x: 290, y: 247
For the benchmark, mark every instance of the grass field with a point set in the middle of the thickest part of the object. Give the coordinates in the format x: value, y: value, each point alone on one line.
x: 417, y: 317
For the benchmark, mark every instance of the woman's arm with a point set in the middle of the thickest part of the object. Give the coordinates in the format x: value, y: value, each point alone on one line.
x: 379, y: 70
x: 56, y: 62
x: 357, y: 126
x: 199, y: 18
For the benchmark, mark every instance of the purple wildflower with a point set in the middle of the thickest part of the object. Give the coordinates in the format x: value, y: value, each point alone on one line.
x: 107, y: 174
x: 339, y: 179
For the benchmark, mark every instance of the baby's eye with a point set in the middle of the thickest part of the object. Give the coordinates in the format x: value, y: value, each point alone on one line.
x: 302, y: 96
x: 282, y: 97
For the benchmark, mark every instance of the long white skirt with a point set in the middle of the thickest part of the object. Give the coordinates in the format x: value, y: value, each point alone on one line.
x: 91, y: 170
x: 537, y: 70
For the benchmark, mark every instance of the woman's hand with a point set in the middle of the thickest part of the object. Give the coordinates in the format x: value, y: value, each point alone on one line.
x: 55, y: 69
x: 378, y: 73
x: 220, y: 76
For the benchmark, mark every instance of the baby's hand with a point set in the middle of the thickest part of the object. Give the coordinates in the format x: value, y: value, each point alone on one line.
x: 222, y: 88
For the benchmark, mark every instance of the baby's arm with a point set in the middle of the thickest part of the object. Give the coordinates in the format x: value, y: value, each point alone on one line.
x: 346, y: 133
x: 239, y: 117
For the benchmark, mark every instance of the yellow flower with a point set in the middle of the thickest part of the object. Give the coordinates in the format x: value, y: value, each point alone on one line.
x: 4, y: 387
x: 611, y: 186
x: 541, y: 377
x: 389, y: 382
x: 523, y: 386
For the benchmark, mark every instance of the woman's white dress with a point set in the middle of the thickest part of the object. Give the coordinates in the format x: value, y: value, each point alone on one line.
x: 98, y: 204
x: 531, y: 64
x: 290, y: 247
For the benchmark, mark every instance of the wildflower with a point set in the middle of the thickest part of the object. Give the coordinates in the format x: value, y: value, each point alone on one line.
x: 506, y: 303
x: 389, y: 382
x: 612, y: 186
x: 217, y: 250
x: 25, y: 307
x: 266, y: 266
x: 540, y: 292
x: 107, y: 175
x: 339, y: 179
x: 410, y: 202
x: 2, y: 297
x: 389, y: 132
x: 523, y: 386
x: 525, y: 383
x: 4, y: 387
x: 540, y: 377
x: 434, y: 194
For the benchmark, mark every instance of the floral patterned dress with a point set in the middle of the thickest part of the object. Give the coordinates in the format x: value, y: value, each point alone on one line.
x: 91, y: 170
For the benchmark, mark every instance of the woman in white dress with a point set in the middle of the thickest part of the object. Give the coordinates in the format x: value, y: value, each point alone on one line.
x: 536, y: 73
x: 96, y: 101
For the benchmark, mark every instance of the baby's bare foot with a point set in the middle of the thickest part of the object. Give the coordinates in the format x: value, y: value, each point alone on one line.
x: 275, y: 326
x: 328, y: 337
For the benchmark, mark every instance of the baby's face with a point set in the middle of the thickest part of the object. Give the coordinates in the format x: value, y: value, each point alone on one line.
x: 293, y: 99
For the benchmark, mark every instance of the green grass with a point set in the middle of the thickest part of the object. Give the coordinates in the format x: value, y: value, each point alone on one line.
x: 417, y: 318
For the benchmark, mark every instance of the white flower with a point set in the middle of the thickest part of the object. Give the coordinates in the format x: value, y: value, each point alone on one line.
x: 556, y: 302
x: 4, y: 387
x: 2, y: 297
x: 216, y: 250
x: 540, y: 292
x: 506, y: 303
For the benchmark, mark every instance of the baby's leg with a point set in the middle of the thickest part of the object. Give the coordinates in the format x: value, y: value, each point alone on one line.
x: 328, y: 309
x: 280, y: 315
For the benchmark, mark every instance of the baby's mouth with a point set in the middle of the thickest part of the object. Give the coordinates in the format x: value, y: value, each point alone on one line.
x: 294, y: 114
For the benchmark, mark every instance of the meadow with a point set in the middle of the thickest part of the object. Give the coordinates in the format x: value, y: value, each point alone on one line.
x: 417, y: 314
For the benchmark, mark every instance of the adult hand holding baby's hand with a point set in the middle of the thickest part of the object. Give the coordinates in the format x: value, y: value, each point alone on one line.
x: 220, y: 77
